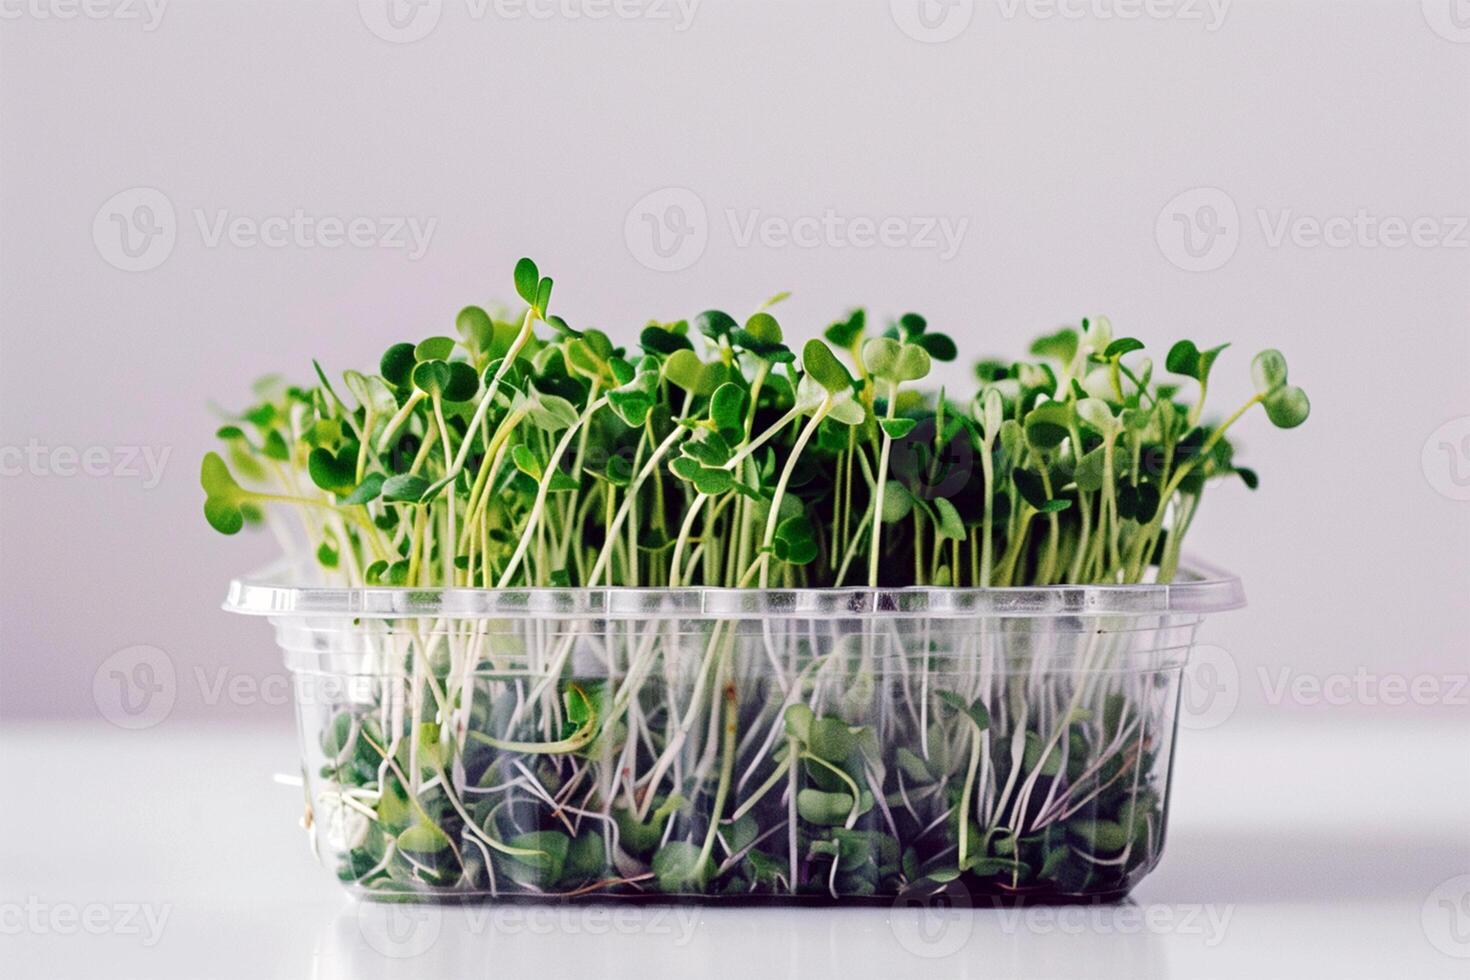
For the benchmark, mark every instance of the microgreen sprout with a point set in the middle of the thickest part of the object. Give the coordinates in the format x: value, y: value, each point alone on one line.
x: 522, y: 452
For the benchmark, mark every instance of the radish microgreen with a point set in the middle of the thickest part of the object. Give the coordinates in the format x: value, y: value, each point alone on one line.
x: 522, y: 452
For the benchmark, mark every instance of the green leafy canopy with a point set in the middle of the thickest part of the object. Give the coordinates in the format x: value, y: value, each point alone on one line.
x: 713, y: 450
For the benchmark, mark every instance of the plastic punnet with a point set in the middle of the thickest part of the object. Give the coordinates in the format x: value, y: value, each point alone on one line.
x: 783, y: 745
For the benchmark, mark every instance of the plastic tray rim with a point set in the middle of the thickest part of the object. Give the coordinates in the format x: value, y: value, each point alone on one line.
x: 278, y: 591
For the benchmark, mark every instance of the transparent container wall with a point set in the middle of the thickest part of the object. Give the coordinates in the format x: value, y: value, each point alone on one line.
x: 792, y: 756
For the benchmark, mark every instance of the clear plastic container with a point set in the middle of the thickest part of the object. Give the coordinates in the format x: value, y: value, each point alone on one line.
x: 786, y: 745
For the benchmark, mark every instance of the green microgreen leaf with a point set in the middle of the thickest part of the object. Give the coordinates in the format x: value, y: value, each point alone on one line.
x: 1268, y: 371
x: 939, y: 346
x: 1030, y: 487
x: 913, y: 363
x: 1060, y: 346
x: 476, y: 329
x: 1287, y: 406
x: 463, y: 383
x: 526, y: 461
x: 223, y: 496
x: 974, y: 710
x: 550, y: 412
x: 845, y: 333
x: 898, y: 503
x: 405, y: 488
x: 367, y: 491
x: 1122, y: 346
x: 1047, y: 425
x: 823, y: 366
x: 434, y: 349
x: 678, y: 867
x: 659, y: 339
x: 727, y: 409
x: 334, y: 472
x: 685, y: 370
x: 275, y: 446
x: 397, y: 364
x: 527, y: 280
x: 951, y: 526
x: 1188, y: 360
x: 823, y: 809
x: 717, y: 324
x: 795, y: 541
x: 897, y: 428
x: 431, y: 377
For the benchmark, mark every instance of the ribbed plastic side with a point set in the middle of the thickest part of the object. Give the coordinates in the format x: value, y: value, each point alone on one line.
x: 287, y: 591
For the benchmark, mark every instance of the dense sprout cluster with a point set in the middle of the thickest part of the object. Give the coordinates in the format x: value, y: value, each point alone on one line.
x: 825, y: 757
x: 709, y: 453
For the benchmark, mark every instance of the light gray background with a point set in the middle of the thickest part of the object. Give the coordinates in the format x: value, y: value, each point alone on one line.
x: 1061, y: 139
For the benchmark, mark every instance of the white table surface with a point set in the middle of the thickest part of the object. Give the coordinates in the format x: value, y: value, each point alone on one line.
x: 1328, y: 847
